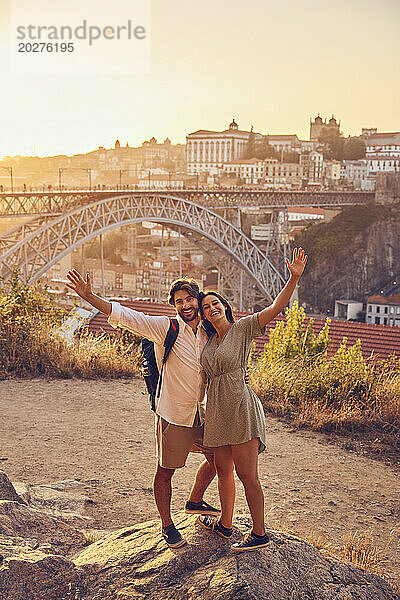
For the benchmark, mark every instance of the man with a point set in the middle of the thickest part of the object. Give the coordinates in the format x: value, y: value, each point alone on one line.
x: 180, y: 409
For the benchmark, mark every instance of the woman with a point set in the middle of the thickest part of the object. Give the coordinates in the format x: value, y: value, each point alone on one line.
x: 235, y: 422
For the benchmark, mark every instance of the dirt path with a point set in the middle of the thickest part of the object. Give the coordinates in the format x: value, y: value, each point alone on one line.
x: 101, y: 432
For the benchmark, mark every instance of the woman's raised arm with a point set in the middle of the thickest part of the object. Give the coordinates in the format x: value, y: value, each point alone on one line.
x: 296, y: 268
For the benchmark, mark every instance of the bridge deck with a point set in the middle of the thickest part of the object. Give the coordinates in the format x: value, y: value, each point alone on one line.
x: 53, y: 202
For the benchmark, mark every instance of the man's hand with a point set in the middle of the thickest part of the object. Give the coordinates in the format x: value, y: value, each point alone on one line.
x: 79, y: 285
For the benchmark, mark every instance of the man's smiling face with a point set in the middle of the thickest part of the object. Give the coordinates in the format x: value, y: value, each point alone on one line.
x: 187, y: 306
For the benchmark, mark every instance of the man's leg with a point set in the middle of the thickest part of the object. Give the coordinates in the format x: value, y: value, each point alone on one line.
x: 162, y: 488
x: 204, y: 476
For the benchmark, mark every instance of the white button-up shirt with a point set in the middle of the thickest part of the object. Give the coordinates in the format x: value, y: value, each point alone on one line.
x: 183, y: 387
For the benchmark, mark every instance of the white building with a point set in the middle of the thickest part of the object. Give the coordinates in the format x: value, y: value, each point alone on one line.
x: 251, y: 170
x: 347, y: 309
x: 387, y: 144
x: 383, y: 152
x: 166, y: 180
x: 312, y: 164
x: 284, y: 142
x: 332, y: 171
x: 305, y: 213
x: 355, y: 172
x: 207, y: 151
x: 381, y: 163
x: 383, y: 310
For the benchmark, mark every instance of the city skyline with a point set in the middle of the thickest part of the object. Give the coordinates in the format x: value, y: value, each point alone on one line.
x: 273, y: 67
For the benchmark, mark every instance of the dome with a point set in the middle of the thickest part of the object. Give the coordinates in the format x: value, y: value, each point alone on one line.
x: 117, y: 144
x: 233, y: 125
x: 332, y: 121
x: 318, y: 119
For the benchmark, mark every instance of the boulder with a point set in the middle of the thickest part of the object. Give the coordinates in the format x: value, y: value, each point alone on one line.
x: 33, y: 555
x: 135, y: 563
x: 38, y: 576
x: 66, y: 500
x: 7, y: 490
x: 19, y: 520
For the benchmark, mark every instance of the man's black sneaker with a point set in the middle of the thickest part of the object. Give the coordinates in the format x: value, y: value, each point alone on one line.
x: 201, y: 508
x: 214, y: 525
x: 172, y: 536
x: 251, y: 542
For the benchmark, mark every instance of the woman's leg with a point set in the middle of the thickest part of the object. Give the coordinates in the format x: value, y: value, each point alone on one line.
x: 226, y: 483
x: 245, y: 457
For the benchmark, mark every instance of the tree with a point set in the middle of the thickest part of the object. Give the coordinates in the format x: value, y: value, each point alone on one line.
x: 333, y: 143
x: 168, y: 164
x: 353, y: 149
x: 251, y: 145
x: 291, y: 157
x: 265, y: 150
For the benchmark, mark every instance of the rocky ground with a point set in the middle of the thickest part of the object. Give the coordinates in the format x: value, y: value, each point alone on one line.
x: 97, y: 438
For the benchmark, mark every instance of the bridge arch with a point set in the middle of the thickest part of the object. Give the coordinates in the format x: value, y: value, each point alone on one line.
x: 49, y: 239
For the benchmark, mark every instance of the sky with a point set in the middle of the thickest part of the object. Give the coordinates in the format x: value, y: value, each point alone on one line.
x: 269, y: 64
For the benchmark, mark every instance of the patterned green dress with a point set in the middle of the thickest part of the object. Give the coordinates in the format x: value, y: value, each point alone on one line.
x: 234, y: 414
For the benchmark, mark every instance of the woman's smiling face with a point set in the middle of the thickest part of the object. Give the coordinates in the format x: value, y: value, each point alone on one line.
x: 212, y: 308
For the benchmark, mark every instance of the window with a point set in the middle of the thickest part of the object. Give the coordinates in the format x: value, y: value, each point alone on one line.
x: 377, y: 319
x: 385, y: 310
x: 385, y: 321
x: 378, y: 309
x: 119, y: 279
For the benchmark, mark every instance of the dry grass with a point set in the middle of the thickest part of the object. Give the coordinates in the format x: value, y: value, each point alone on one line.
x: 342, y: 393
x: 361, y: 551
x: 30, y: 345
x: 44, y: 353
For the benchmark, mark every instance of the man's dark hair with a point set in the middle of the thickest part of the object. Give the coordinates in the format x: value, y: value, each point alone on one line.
x: 190, y: 285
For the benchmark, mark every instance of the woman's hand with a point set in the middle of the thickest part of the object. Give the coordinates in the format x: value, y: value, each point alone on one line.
x: 296, y: 267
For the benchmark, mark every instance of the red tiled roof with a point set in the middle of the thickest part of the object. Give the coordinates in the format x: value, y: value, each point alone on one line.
x: 395, y: 299
x: 379, y: 340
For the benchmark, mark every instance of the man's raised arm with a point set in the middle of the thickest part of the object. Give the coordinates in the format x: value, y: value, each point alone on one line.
x: 84, y: 290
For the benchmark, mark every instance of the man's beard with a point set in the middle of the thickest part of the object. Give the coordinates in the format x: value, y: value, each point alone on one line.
x: 192, y: 318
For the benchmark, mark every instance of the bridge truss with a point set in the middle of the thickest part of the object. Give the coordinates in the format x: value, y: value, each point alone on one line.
x: 41, y: 242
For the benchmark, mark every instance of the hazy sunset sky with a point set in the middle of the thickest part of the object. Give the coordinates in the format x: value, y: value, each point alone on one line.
x: 269, y: 64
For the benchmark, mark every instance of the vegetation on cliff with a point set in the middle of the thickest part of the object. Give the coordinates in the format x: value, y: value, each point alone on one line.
x: 350, y: 257
x: 335, y: 237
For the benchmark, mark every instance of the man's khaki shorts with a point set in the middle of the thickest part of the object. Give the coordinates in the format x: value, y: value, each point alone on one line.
x: 174, y: 442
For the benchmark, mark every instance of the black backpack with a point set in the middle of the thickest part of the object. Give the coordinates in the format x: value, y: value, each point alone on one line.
x: 151, y: 374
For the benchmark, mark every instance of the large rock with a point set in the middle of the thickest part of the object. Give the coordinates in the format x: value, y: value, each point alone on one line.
x: 135, y: 563
x: 33, y: 555
x: 18, y: 520
x: 66, y: 500
x: 37, y: 576
x: 7, y: 490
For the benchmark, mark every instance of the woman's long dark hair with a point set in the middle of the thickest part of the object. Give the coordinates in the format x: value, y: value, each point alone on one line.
x: 209, y: 328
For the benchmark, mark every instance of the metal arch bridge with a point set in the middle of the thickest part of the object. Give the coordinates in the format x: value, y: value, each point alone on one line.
x: 53, y: 202
x: 41, y: 242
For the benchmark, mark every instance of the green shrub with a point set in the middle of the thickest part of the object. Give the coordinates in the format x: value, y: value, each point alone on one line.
x: 297, y: 380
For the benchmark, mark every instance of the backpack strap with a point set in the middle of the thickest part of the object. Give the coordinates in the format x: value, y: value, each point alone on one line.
x: 169, y: 341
